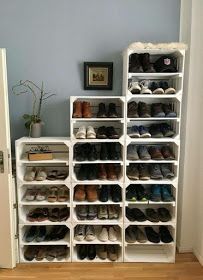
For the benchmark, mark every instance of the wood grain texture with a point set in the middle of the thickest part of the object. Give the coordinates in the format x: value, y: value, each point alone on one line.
x: 185, y: 268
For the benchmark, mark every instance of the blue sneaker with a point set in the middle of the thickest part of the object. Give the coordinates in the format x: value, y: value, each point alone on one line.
x: 144, y: 132
x: 155, y: 193
x: 134, y: 132
x: 166, y: 193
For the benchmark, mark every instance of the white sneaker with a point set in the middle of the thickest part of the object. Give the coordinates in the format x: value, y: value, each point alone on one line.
x: 90, y: 233
x: 103, y: 236
x: 113, y: 234
x: 145, y: 87
x: 91, y: 134
x: 80, y: 232
x: 134, y: 88
x: 81, y: 133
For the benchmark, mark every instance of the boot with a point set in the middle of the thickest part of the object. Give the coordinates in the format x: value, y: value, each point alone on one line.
x: 77, y: 109
x: 134, y: 64
x: 112, y: 113
x: 102, y: 111
x: 145, y: 61
x: 86, y: 110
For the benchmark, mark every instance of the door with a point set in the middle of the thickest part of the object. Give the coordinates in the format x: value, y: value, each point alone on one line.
x: 7, y: 233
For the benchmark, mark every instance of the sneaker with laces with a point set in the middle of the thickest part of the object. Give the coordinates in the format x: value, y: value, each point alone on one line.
x: 155, y: 172
x: 145, y: 87
x: 133, y: 131
x: 166, y: 193
x: 155, y: 193
x: 144, y: 132
x: 103, y: 212
x: 79, y: 232
x: 166, y: 171
x: 132, y: 172
x: 143, y: 153
x: 132, y: 152
x: 90, y: 233
x: 144, y: 172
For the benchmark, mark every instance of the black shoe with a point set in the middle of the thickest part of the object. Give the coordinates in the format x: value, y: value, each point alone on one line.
x: 91, y: 252
x: 164, y: 214
x: 31, y: 234
x: 82, y: 172
x: 80, y: 153
x: 134, y: 64
x: 92, y: 172
x: 152, y: 235
x: 82, y: 251
x: 116, y: 194
x: 129, y: 214
x: 156, y: 131
x: 41, y: 235
x: 104, y: 194
x: 111, y: 133
x: 152, y: 215
x: 165, y: 234
x: 101, y: 132
x: 92, y: 154
x: 141, y: 193
x: 166, y: 130
x: 102, y: 111
x: 145, y: 61
x: 112, y: 113
x: 138, y: 215
x: 61, y: 233
x: 131, y: 194
x: 113, y: 153
x: 104, y: 152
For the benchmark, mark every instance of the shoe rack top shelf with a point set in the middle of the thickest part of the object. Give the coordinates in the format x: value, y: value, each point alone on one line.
x: 153, y: 75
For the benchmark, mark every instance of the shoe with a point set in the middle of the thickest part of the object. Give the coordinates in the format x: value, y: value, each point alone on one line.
x: 42, y: 252
x: 143, y: 172
x: 102, y: 111
x: 102, y: 212
x: 138, y: 215
x: 30, y: 194
x: 104, y: 194
x: 92, y: 172
x: 166, y: 171
x: 30, y: 174
x: 152, y: 215
x: 79, y: 232
x: 77, y: 109
x: 82, y: 252
x: 165, y: 234
x: 92, y: 212
x: 103, y: 235
x: 92, y: 154
x: 134, y: 87
x: 79, y: 194
x: 101, y: 251
x: 102, y: 174
x: 155, y: 193
x: 131, y: 194
x: 129, y: 214
x: 64, y: 214
x: 133, y: 132
x: 90, y: 233
x: 82, y: 172
x: 111, y: 133
x: 140, y: 236
x: 91, y: 134
x: 167, y: 153
x: 135, y: 64
x: 132, y: 172
x: 41, y: 175
x: 143, y: 153
x: 132, y: 152
x: 91, y: 252
x: 155, y: 172
x: 113, y: 236
x: 166, y: 130
x: 141, y: 193
x: 156, y: 88
x: 145, y: 87
x: 157, y: 110
x: 116, y: 194
x: 145, y: 61
x: 81, y: 133
x: 91, y: 193
x: 80, y: 152
x: 112, y: 252
x: 130, y: 234
x: 31, y: 234
x: 167, y: 89
x: 41, y: 194
x: 169, y: 113
x: 156, y: 132
x: 104, y: 152
x: 113, y: 212
x: 30, y: 253
x: 101, y: 132
x: 111, y: 172
x: 152, y: 235
x: 86, y: 110
x: 133, y: 110
x: 41, y: 234
x: 144, y: 110
x: 144, y: 132
x: 166, y: 193
x: 82, y: 212
x: 163, y: 214
x: 113, y: 151
x: 112, y: 113
x: 155, y: 153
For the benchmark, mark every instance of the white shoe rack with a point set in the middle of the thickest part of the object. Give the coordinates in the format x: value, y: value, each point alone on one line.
x: 152, y: 252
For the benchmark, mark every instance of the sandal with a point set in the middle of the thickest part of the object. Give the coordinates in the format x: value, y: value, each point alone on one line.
x: 64, y: 214
x: 52, y: 175
x: 63, y: 194
x: 54, y: 215
x: 52, y: 194
x: 41, y: 175
x: 30, y: 175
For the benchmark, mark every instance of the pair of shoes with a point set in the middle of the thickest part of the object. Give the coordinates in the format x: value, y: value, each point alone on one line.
x: 41, y: 174
x: 43, y: 214
x: 160, y: 171
x: 86, y: 251
x: 60, y: 194
x: 85, y: 212
x: 141, y: 87
x: 38, y: 194
x: 159, y: 110
x: 84, y: 133
x: 163, y: 235
x: 108, y: 212
x: 83, y: 193
x: 161, y: 130
x: 83, y: 232
x: 84, y: 152
x: 161, y: 193
x: 82, y: 109
x: 86, y: 173
x: 110, y: 151
x: 91, y: 212
x: 59, y: 252
x: 108, y: 233
x: 104, y: 132
x: 165, y: 152
x: 135, y: 214
x: 162, y: 87
x: 107, y: 251
x: 139, y: 132
x: 139, y: 63
x: 102, y: 113
x: 134, y: 233
x: 136, y: 192
x: 114, y: 191
x: 56, y: 233
x: 147, y: 87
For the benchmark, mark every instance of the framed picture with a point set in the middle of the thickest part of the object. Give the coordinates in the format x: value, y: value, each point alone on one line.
x: 98, y: 75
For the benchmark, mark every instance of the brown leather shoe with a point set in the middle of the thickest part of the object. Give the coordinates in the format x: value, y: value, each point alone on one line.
x: 102, y: 172
x: 155, y: 153
x: 77, y: 109
x: 111, y: 172
x: 167, y: 153
x: 79, y: 193
x: 91, y: 192
x: 86, y: 110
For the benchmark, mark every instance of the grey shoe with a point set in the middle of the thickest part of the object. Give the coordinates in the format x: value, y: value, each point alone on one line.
x: 143, y: 153
x: 80, y: 232
x: 155, y: 172
x: 90, y: 233
x: 132, y: 172
x: 81, y: 212
x: 92, y: 212
x: 113, y: 211
x: 102, y: 212
x: 166, y: 171
x: 132, y: 152
x: 112, y: 252
x: 101, y: 251
x: 140, y: 236
x: 144, y: 172
x: 130, y: 234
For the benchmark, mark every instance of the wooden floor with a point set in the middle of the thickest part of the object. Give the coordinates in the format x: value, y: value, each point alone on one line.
x: 186, y: 267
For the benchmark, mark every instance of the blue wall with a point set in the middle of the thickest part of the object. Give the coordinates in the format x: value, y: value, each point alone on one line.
x: 50, y: 39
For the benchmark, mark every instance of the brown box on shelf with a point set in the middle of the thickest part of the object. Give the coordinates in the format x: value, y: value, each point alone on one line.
x: 40, y: 156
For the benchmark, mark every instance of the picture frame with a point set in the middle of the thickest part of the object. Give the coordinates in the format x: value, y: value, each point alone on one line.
x: 98, y: 75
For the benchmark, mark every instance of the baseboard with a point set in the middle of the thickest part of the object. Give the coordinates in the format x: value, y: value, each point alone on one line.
x: 198, y: 256
x: 182, y: 249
